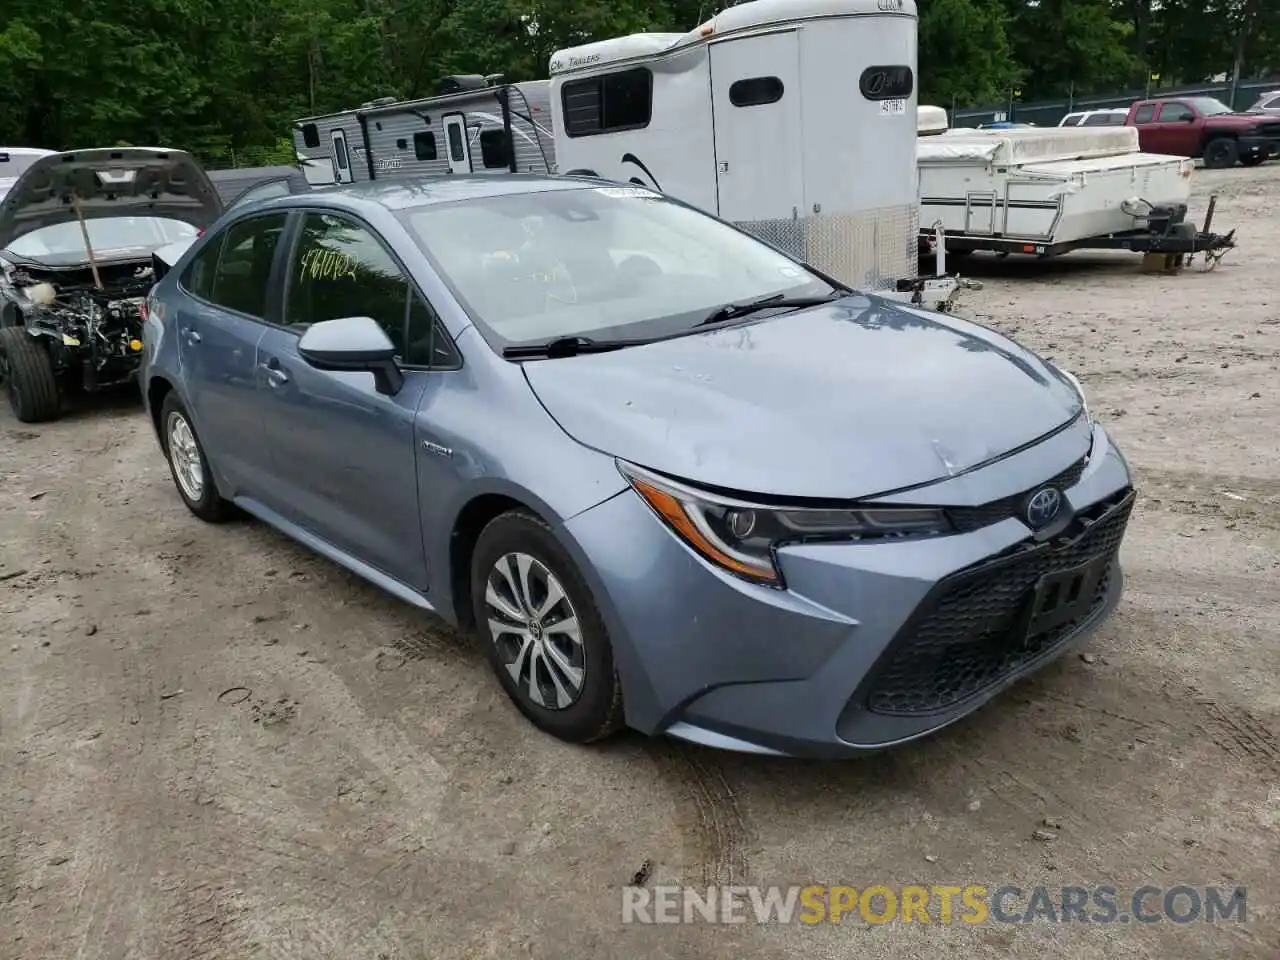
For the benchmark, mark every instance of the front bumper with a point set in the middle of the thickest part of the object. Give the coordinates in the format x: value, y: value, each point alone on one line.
x: 871, y: 644
x: 1258, y: 146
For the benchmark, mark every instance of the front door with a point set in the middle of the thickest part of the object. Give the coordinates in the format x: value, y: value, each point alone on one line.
x: 755, y: 93
x: 219, y: 328
x: 1176, y: 131
x: 341, y: 158
x: 344, y: 457
x: 455, y: 134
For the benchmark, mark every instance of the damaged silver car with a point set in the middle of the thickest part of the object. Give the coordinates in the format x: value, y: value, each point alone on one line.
x: 77, y: 231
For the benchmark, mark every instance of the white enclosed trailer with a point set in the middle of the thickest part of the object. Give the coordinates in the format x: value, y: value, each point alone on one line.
x: 1047, y: 191
x: 795, y: 119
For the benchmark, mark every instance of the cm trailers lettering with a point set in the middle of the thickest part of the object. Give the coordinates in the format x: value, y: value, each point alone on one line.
x: 570, y: 63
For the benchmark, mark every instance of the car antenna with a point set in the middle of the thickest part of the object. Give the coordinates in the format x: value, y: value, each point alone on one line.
x: 88, y: 247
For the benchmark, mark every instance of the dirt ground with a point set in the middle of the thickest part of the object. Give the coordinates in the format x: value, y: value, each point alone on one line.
x: 215, y: 745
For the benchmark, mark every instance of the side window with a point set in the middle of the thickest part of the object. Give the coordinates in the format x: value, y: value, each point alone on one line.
x: 1174, y: 112
x: 1272, y: 104
x: 1145, y: 114
x: 198, y: 280
x: 493, y: 148
x: 1100, y: 120
x: 424, y: 145
x: 1072, y: 120
x: 310, y: 135
x: 755, y: 92
x: 263, y: 191
x: 340, y: 269
x: 238, y: 279
x: 614, y: 101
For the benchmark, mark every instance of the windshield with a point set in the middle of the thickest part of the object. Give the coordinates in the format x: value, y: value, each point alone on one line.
x: 603, y: 262
x: 109, y: 236
x: 1209, y: 106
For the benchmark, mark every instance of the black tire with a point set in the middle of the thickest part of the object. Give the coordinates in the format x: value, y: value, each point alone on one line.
x: 209, y: 505
x: 596, y: 713
x: 27, y: 369
x: 1221, y: 153
x: 1253, y: 160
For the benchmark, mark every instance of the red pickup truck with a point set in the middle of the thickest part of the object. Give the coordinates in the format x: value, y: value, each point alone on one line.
x: 1204, y: 127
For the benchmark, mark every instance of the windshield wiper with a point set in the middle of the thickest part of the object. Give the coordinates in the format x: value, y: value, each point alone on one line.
x: 567, y: 347
x: 731, y: 311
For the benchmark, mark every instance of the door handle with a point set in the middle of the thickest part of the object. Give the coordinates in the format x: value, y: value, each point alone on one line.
x: 275, y: 376
x: 192, y: 337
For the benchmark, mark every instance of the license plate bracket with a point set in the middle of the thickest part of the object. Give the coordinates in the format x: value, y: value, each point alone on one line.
x: 1067, y: 595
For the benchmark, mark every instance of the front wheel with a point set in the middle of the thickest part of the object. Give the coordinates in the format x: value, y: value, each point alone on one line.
x: 546, y: 640
x: 27, y: 371
x: 1221, y: 153
x: 187, y: 463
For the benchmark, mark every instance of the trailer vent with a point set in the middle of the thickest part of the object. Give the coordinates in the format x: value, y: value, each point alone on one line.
x: 461, y: 82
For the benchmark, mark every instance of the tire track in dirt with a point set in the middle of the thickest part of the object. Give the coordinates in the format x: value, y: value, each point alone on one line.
x: 711, y: 817
x: 1238, y: 732
x: 1255, y: 500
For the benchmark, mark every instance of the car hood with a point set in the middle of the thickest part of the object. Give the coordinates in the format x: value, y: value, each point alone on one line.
x: 108, y: 182
x: 1236, y: 119
x: 851, y: 399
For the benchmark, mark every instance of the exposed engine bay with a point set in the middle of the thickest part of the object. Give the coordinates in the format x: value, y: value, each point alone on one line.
x: 99, y: 330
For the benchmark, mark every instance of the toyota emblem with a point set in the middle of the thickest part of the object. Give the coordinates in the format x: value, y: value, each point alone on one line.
x: 1043, y: 507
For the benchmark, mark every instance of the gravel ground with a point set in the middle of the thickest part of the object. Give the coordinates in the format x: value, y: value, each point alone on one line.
x: 215, y: 745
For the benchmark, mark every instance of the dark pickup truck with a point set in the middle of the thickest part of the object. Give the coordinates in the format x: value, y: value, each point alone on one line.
x: 1205, y: 128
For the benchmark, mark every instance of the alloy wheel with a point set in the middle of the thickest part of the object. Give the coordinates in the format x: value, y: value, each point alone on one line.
x: 188, y: 467
x: 536, y: 631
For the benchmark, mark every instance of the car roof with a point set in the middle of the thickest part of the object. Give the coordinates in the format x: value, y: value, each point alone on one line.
x: 406, y: 193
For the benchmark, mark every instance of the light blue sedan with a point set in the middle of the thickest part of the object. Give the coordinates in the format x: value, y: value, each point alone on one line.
x: 668, y: 475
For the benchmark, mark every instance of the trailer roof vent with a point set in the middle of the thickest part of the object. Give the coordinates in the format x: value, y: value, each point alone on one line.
x: 460, y: 82
x: 378, y: 102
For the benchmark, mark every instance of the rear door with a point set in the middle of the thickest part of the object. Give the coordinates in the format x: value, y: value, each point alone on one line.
x: 755, y: 95
x: 219, y: 324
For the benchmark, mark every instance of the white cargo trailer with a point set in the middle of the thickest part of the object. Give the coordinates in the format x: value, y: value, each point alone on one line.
x: 795, y: 119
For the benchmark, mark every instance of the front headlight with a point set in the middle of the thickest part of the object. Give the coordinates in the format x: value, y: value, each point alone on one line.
x: 1071, y: 381
x: 741, y: 537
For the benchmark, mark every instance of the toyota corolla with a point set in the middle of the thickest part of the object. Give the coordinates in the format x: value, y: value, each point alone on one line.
x: 669, y: 476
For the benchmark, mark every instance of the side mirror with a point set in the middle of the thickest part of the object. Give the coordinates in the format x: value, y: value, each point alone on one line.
x: 353, y: 343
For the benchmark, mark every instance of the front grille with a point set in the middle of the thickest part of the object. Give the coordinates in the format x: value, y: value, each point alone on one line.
x: 967, y: 519
x: 970, y: 633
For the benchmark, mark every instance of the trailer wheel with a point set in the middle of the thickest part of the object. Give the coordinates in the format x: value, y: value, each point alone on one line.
x: 27, y: 370
x: 1220, y: 153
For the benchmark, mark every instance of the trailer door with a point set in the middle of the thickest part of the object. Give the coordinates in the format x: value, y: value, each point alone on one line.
x: 455, y: 132
x: 341, y: 158
x: 755, y: 96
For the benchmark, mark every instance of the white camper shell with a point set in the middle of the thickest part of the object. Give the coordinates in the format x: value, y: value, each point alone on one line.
x: 1045, y: 191
x: 475, y: 127
x: 794, y: 119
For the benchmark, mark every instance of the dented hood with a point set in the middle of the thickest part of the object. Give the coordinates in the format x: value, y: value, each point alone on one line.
x: 108, y: 182
x: 846, y: 400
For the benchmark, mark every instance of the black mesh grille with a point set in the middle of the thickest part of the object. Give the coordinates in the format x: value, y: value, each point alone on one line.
x: 965, y: 519
x: 973, y: 631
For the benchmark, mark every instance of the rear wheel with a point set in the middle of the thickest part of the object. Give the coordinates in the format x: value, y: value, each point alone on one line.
x: 1220, y: 153
x: 187, y: 463
x: 27, y: 371
x: 546, y: 640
